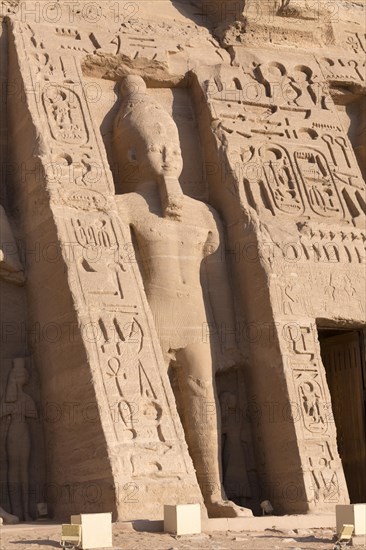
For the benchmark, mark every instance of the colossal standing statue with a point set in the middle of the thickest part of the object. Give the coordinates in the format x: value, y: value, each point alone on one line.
x: 179, y: 245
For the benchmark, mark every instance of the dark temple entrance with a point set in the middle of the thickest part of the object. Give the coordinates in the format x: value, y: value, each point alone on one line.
x: 342, y: 354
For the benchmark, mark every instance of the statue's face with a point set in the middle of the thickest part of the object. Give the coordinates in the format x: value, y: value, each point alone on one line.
x: 20, y: 373
x: 158, y: 155
x: 165, y: 158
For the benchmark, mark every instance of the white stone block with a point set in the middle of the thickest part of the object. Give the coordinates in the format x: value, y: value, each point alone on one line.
x: 96, y: 530
x: 354, y: 514
x: 182, y: 519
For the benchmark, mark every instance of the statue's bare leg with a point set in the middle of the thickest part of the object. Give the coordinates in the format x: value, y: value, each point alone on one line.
x: 25, y: 492
x: 201, y: 423
x: 14, y: 486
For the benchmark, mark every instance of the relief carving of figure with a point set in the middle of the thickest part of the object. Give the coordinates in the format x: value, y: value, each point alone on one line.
x: 234, y: 464
x: 10, y: 271
x: 18, y: 406
x: 178, y: 244
x: 281, y: 180
x: 318, y: 183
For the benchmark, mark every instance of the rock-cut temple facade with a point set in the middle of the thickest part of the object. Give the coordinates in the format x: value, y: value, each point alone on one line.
x: 182, y: 256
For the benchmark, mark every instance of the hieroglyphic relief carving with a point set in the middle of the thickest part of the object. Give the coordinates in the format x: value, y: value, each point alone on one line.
x: 45, y: 67
x: 318, y: 183
x: 310, y: 394
x: 294, y: 88
x: 124, y: 408
x: 353, y: 193
x: 241, y: 124
x: 293, y: 299
x: 355, y: 41
x: 82, y: 199
x: 164, y: 46
x: 65, y: 116
x: 311, y: 401
x: 74, y: 152
x: 87, y: 171
x: 100, y: 260
x: 328, y: 192
x: 155, y: 459
x: 121, y: 336
x: 301, y: 341
x: 288, y: 102
x: 321, y: 463
x: 81, y: 169
x: 331, y: 142
x: 95, y: 233
x: 281, y: 179
x: 150, y: 428
x: 74, y: 40
x: 138, y: 38
x: 341, y: 289
x: 321, y: 244
x: 344, y: 170
x: 343, y: 70
x: 70, y: 38
x: 50, y: 66
x: 135, y: 406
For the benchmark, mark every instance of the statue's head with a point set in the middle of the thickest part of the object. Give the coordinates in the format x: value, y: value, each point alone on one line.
x: 18, y: 378
x: 145, y: 137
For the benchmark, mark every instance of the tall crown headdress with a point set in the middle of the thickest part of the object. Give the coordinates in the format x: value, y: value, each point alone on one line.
x: 143, y: 117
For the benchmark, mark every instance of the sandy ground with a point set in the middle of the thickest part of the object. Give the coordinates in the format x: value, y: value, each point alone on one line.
x: 42, y: 537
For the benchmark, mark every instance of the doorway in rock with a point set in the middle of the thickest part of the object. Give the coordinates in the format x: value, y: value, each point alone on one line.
x: 343, y: 357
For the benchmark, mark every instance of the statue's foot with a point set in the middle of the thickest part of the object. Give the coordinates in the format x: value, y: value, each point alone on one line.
x: 227, y: 509
x: 8, y: 518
